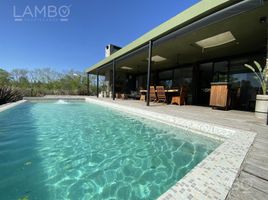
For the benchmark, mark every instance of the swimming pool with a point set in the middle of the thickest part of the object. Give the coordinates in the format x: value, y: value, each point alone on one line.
x: 85, y: 151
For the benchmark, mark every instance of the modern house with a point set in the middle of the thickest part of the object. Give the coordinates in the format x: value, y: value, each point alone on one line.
x: 209, y: 42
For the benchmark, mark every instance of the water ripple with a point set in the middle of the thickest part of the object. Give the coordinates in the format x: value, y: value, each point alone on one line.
x: 83, y: 151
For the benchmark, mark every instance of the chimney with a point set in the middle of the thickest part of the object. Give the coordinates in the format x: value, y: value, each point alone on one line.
x: 110, y: 49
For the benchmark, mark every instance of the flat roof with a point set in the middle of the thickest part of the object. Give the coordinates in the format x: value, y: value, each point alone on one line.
x: 197, y: 11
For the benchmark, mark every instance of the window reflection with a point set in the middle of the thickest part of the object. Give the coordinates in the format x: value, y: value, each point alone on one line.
x: 244, y: 85
x: 220, y: 72
x: 166, y: 78
x: 184, y: 77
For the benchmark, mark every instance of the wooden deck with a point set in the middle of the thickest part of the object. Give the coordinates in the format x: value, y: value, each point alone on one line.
x: 252, y: 182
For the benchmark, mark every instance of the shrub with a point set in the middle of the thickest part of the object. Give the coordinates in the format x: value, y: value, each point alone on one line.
x: 8, y: 95
x: 261, y: 75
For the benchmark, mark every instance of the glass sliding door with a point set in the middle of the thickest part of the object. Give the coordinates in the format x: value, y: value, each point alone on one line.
x: 220, y: 71
x: 244, y: 86
x: 204, y: 83
x: 183, y: 77
x: 166, y: 78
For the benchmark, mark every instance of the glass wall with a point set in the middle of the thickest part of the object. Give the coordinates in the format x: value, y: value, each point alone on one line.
x: 170, y: 79
x: 176, y: 78
x: 165, y: 78
x: 244, y: 85
x: 184, y: 77
x: 220, y: 71
x: 205, y: 76
x: 141, y: 82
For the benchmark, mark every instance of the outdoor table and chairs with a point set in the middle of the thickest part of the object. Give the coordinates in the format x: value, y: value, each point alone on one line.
x: 159, y: 94
x: 166, y: 91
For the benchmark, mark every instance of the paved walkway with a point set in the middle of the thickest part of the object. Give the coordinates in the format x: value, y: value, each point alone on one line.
x: 252, y: 183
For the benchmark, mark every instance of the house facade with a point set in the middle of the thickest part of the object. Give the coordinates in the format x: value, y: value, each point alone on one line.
x: 207, y: 43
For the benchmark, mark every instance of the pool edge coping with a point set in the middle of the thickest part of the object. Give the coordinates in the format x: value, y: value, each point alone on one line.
x: 7, y: 106
x: 213, y: 177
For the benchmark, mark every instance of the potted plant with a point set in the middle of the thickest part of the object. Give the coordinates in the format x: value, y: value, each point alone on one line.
x: 261, y: 74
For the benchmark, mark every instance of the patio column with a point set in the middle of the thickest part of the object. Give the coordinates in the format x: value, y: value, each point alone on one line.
x: 113, y: 92
x: 97, y: 84
x: 149, y: 73
x: 266, y: 56
x: 88, y: 84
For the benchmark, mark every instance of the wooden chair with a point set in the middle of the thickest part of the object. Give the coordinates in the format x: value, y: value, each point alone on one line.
x: 118, y: 96
x: 142, y: 97
x: 142, y: 94
x: 124, y: 96
x: 152, y: 94
x: 161, y: 95
x: 180, y: 99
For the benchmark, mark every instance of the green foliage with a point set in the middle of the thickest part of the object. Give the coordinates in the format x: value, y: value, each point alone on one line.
x: 45, y: 81
x: 4, y: 77
x: 8, y: 95
x: 261, y: 75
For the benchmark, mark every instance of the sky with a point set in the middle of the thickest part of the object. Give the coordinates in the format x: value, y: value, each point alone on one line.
x: 72, y: 34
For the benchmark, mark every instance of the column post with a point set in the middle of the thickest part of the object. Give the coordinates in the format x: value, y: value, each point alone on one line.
x: 97, y: 84
x: 88, y: 84
x: 266, y: 23
x: 113, y: 92
x: 149, y: 73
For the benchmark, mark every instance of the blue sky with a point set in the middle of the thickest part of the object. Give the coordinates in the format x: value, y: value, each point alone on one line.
x: 80, y: 41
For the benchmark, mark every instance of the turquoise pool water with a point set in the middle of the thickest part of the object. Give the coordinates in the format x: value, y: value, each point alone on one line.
x: 84, y: 151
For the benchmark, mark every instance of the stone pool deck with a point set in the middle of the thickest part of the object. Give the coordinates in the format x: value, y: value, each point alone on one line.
x: 252, y: 182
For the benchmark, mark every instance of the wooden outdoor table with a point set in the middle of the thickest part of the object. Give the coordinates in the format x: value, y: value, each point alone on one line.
x: 169, y: 92
x: 172, y: 90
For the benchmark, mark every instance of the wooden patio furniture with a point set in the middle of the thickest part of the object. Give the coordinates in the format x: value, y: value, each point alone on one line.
x: 220, y: 95
x: 180, y: 98
x: 142, y: 97
x: 142, y: 94
x: 161, y: 95
x: 124, y: 96
x: 117, y: 95
x: 152, y: 94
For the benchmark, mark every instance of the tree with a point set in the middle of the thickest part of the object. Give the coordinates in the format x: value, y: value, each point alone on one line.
x: 4, y: 77
x: 44, y: 81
